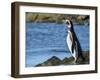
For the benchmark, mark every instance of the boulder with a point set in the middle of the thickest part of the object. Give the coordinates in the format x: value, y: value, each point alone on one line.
x: 53, y: 61
x: 67, y: 60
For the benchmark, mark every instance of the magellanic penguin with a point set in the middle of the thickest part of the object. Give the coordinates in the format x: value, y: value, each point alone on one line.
x: 73, y: 42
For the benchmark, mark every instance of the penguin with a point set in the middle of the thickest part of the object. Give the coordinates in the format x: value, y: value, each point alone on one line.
x: 73, y: 42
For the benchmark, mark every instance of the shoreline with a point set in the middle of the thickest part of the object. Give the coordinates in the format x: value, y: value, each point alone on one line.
x: 55, y: 61
x: 75, y: 23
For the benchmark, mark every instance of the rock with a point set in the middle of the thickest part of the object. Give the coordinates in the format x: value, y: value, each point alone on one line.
x: 67, y: 60
x: 53, y: 61
x: 86, y: 56
x: 38, y: 65
x: 80, y: 61
x: 70, y: 60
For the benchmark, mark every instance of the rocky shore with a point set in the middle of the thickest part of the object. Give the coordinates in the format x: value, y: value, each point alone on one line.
x: 56, y: 18
x: 54, y: 61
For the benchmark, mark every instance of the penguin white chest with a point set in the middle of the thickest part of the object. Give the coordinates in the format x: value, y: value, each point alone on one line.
x: 69, y: 40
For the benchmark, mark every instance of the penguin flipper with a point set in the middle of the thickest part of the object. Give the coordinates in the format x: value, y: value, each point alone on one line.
x: 72, y: 48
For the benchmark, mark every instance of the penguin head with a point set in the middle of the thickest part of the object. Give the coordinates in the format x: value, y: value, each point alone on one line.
x: 69, y: 23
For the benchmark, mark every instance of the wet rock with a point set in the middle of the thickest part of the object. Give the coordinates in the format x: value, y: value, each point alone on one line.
x: 86, y: 60
x: 53, y: 61
x: 67, y: 60
x: 86, y: 55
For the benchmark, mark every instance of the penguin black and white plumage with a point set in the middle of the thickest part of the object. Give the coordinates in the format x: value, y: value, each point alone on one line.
x: 73, y: 42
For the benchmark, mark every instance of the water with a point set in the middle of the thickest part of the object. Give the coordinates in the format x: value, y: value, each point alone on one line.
x: 44, y: 40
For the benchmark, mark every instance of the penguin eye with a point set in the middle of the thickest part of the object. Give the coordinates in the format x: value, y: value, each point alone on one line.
x: 67, y: 23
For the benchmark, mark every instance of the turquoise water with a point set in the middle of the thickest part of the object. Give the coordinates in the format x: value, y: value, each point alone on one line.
x: 44, y: 40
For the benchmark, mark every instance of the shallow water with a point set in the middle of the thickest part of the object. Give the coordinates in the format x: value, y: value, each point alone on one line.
x: 44, y: 40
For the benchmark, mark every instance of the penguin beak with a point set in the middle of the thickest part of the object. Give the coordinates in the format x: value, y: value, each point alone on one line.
x: 65, y: 21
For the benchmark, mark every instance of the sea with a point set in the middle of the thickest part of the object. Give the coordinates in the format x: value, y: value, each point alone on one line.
x: 44, y: 40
